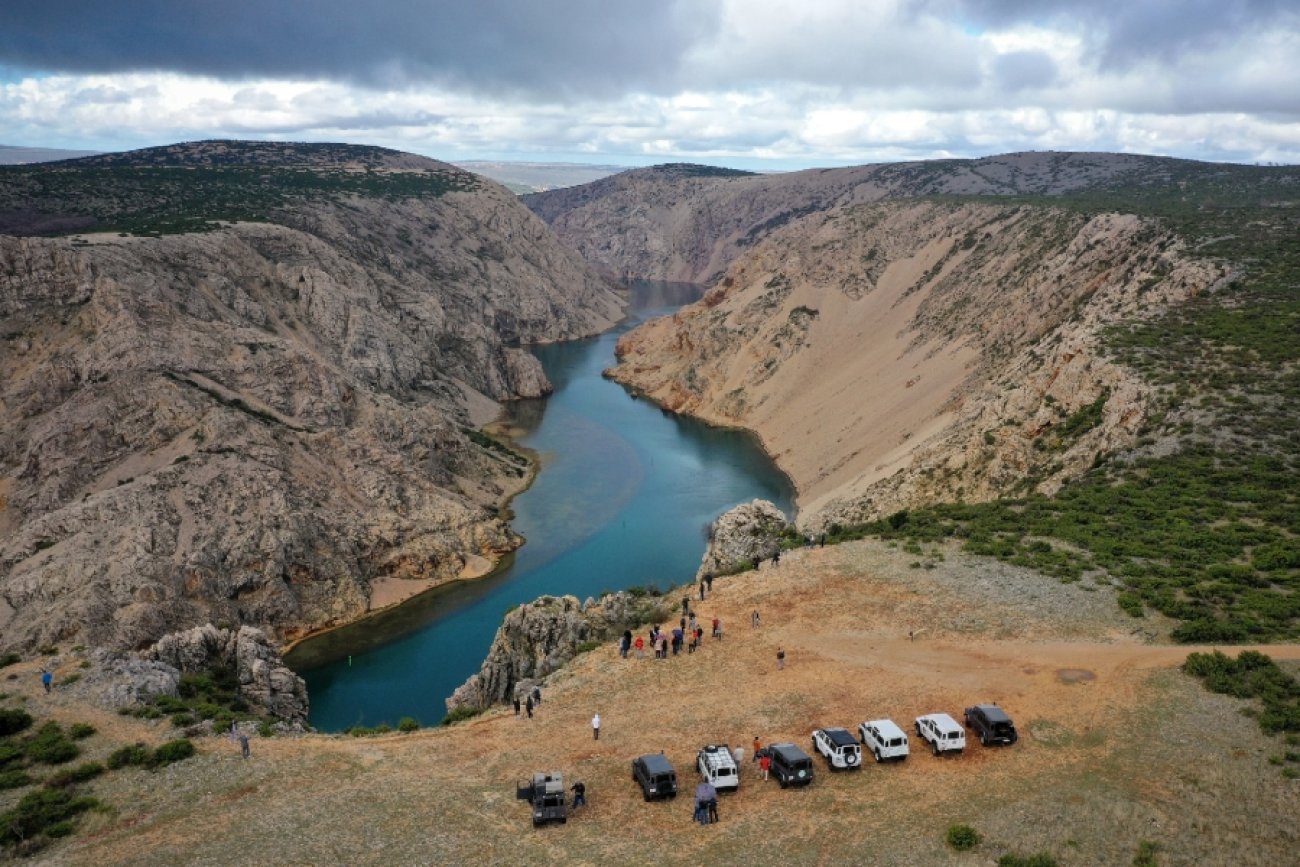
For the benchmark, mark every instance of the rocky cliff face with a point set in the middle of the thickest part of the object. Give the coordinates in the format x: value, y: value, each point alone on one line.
x: 252, y: 424
x: 687, y: 223
x: 743, y: 536
x: 898, y: 353
x: 538, y: 637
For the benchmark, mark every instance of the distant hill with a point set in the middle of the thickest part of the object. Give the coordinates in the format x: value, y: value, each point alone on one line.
x: 11, y: 155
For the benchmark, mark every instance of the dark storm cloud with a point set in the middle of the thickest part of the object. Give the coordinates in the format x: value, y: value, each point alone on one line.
x: 594, y: 47
x: 1124, y: 32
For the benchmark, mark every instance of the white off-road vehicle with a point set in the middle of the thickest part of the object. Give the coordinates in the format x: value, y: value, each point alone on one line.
x: 838, y: 747
x: 883, y: 739
x: 717, y: 765
x: 943, y: 732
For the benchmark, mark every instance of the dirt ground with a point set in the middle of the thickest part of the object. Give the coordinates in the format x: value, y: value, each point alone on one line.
x: 1117, y: 746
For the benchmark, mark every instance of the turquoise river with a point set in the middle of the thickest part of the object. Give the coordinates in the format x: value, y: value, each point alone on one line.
x: 624, y: 498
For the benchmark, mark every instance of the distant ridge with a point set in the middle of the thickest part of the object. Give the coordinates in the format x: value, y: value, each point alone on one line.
x: 17, y: 155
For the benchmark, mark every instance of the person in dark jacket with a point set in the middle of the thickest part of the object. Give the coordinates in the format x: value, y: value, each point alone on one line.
x: 579, y: 794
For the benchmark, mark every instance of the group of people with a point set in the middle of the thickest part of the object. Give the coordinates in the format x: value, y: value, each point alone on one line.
x: 689, y: 634
x: 531, y: 700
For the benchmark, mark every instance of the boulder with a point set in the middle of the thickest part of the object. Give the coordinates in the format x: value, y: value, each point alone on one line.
x: 749, y: 533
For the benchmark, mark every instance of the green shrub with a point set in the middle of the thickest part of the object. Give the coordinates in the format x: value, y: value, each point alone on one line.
x: 80, y: 731
x: 963, y: 837
x: 461, y: 714
x: 1146, y: 854
x: 136, y: 754
x: 1131, y: 603
x: 170, y: 704
x: 11, y: 753
x: 407, y: 724
x: 79, y: 774
x: 359, y: 731
x: 13, y: 720
x: 1042, y: 859
x: 587, y: 646
x: 51, y: 746
x: 14, y: 779
x: 9, y: 659
x: 38, y: 811
x: 171, y: 752
x: 383, y: 729
x: 182, y: 720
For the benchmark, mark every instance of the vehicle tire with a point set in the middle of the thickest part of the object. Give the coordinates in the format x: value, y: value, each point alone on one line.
x: 646, y: 795
x: 936, y: 749
x: 782, y: 782
x: 878, y: 759
x: 918, y: 731
x: 984, y: 739
x: 564, y: 821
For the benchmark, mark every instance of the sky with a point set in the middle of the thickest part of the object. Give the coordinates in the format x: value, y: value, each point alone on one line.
x: 757, y: 84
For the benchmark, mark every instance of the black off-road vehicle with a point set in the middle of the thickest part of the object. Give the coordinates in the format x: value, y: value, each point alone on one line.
x: 546, y: 794
x: 791, y: 766
x: 655, y: 776
x: 991, y: 723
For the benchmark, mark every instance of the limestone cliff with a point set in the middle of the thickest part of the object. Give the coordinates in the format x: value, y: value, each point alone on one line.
x: 742, y: 537
x: 898, y: 353
x: 538, y: 637
x: 253, y: 423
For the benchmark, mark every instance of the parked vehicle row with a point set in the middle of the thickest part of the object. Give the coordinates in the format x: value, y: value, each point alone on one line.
x: 790, y: 766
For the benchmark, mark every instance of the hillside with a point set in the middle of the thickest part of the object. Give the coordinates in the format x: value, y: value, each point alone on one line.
x: 1124, y: 347
x: 247, y: 389
x: 1117, y: 746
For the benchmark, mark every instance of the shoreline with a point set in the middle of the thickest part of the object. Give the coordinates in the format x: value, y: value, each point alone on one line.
x: 497, y: 429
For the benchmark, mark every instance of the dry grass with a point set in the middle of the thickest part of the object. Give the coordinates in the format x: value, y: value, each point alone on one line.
x: 1138, y: 752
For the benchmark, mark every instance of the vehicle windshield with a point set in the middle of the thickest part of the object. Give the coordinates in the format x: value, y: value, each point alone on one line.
x: 1002, y: 728
x: 896, y: 742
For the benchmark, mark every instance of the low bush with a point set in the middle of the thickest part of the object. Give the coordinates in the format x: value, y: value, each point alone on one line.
x: 461, y: 714
x: 587, y: 646
x: 1041, y: 859
x: 79, y: 774
x: 171, y: 752
x: 266, y: 730
x: 136, y: 754
x: 359, y: 731
x: 11, y: 753
x: 13, y: 720
x: 14, y: 779
x: 1146, y: 854
x: 50, y: 746
x: 963, y: 837
x: 1252, y: 675
x: 80, y: 731
x: 38, y: 812
x: 407, y: 724
x: 182, y: 720
x: 9, y: 659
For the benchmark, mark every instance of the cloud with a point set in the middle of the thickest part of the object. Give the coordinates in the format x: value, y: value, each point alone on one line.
x: 1125, y: 33
x: 1017, y: 70
x: 499, y: 46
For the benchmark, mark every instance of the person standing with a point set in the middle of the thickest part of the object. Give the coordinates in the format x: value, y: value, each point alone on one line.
x: 625, y: 644
x: 708, y: 579
x: 47, y: 679
x: 701, y: 589
x: 595, y: 727
x: 686, y: 605
x: 765, y: 765
x: 780, y: 658
x: 717, y: 628
x: 243, y: 745
x: 537, y: 696
x: 528, y: 706
x: 516, y: 707
x: 639, y: 644
x: 739, y: 755
x: 579, y: 794
x: 776, y: 558
x: 754, y: 619
x: 758, y: 747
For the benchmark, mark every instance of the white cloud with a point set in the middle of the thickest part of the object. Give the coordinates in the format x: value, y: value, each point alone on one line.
x: 829, y: 82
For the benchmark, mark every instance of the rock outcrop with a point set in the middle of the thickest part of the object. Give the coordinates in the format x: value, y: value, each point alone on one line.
x: 538, y: 637
x: 742, y: 537
x: 899, y: 353
x: 253, y: 423
x: 265, y: 683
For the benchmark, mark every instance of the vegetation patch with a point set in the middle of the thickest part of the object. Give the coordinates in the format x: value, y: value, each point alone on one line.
x: 461, y: 714
x: 43, y: 812
x: 1252, y: 675
x: 963, y: 837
